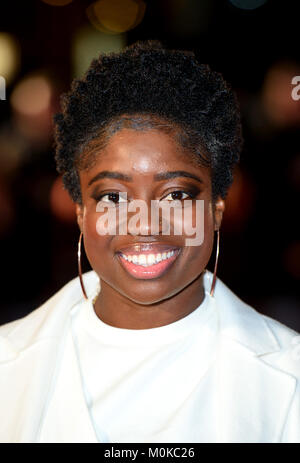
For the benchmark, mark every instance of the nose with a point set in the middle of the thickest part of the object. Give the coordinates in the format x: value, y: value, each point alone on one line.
x: 143, y: 218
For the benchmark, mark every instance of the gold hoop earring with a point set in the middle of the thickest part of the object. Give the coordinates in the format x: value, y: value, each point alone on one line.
x: 79, y: 266
x: 216, y: 265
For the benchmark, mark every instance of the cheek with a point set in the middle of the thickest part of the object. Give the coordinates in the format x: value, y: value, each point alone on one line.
x: 199, y: 246
x: 95, y: 244
x: 198, y: 221
x: 195, y: 257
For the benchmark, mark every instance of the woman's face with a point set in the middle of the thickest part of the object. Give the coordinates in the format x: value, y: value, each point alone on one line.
x: 130, y: 163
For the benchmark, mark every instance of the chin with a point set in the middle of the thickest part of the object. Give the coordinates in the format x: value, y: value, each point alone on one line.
x: 149, y: 296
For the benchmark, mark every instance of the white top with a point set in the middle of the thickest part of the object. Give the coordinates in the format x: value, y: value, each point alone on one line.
x: 250, y: 394
x: 150, y: 385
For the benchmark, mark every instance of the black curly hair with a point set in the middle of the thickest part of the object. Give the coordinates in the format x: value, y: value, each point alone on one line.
x: 148, y: 86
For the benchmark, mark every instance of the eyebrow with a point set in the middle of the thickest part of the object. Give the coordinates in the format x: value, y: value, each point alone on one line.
x: 109, y: 174
x: 176, y: 173
x: 157, y: 177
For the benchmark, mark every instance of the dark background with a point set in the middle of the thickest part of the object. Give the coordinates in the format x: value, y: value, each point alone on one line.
x: 258, y: 53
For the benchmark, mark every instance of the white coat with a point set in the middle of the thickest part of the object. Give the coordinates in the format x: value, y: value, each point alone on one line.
x: 41, y: 390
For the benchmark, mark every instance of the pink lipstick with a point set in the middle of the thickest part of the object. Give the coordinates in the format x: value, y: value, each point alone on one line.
x: 146, y: 261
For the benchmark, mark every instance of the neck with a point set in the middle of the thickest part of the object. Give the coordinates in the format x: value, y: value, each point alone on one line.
x: 115, y: 309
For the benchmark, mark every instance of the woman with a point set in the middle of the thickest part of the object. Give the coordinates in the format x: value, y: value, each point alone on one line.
x: 148, y: 346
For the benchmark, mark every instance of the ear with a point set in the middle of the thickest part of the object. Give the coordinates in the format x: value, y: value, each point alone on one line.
x: 79, y: 213
x: 218, y: 212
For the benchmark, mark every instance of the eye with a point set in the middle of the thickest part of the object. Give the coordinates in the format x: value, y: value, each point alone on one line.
x: 113, y: 197
x: 178, y: 195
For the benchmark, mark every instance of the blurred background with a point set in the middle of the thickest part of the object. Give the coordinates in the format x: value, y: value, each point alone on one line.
x: 44, y: 44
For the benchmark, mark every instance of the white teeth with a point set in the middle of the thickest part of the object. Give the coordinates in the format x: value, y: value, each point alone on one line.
x: 142, y: 259
x: 148, y: 259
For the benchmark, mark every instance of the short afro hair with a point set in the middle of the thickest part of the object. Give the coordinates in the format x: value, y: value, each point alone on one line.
x: 149, y: 86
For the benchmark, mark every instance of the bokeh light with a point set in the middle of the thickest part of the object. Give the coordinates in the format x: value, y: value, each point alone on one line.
x: 279, y: 106
x: 116, y: 16
x: 9, y: 56
x: 31, y: 102
x: 13, y: 150
x: 32, y: 95
x: 61, y: 205
x: 88, y: 43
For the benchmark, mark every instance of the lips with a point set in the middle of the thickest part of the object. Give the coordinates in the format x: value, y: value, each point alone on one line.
x: 147, y: 260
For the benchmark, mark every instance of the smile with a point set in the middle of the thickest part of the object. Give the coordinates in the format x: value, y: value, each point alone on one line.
x: 146, y: 260
x: 147, y: 265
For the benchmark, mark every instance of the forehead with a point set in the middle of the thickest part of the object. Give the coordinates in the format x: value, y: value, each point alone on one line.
x: 143, y: 152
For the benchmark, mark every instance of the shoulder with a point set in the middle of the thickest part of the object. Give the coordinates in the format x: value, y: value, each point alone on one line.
x: 287, y: 360
x: 287, y: 357
x: 268, y: 339
x: 48, y: 319
x: 283, y: 333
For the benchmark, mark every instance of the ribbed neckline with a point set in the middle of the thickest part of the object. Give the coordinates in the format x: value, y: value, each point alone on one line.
x: 166, y: 334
